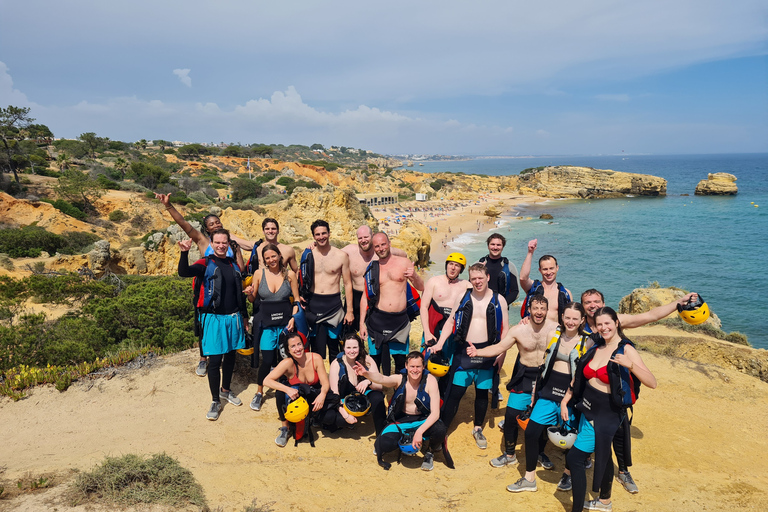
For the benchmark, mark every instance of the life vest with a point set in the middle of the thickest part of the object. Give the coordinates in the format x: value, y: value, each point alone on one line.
x: 437, y: 317
x: 550, y: 356
x: 464, y: 316
x: 398, y: 398
x: 563, y: 298
x: 208, y: 288
x: 504, y: 280
x: 306, y: 273
x: 624, y: 387
x: 253, y: 262
x: 412, y: 297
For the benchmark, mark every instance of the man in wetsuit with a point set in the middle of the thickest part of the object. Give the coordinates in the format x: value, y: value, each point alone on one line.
x: 322, y: 301
x: 502, y: 271
x: 557, y: 295
x: 360, y: 256
x: 592, y: 300
x: 384, y: 318
x: 480, y: 317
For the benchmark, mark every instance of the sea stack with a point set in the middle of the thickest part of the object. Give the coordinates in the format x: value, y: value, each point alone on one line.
x: 717, y: 184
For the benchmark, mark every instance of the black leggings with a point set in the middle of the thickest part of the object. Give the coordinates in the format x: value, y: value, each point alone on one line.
x: 215, y: 380
x: 621, y: 442
x: 576, y: 462
x: 451, y: 406
x: 333, y: 420
x: 268, y: 360
x: 384, y: 362
x: 389, y: 442
x: 322, y: 339
x: 535, y: 441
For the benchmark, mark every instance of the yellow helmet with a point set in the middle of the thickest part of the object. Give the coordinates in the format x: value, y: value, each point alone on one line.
x: 245, y: 351
x: 247, y: 281
x: 457, y: 257
x: 438, y: 365
x: 694, y: 313
x: 357, y: 404
x: 297, y: 410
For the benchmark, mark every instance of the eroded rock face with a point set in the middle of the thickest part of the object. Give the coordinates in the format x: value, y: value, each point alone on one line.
x: 717, y: 184
x: 415, y: 240
x: 585, y: 182
x: 645, y: 299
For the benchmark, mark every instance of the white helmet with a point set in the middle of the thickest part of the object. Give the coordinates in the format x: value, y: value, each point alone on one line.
x: 561, y: 437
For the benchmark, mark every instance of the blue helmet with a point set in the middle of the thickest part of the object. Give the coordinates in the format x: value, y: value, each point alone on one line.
x: 406, y: 444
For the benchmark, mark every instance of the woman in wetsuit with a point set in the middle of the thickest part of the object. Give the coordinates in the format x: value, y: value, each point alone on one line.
x: 344, y: 381
x: 223, y: 320
x: 569, y: 342
x: 601, y: 415
x: 274, y: 286
x: 302, y: 371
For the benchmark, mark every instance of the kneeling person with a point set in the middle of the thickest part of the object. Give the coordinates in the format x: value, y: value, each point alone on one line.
x: 414, y: 410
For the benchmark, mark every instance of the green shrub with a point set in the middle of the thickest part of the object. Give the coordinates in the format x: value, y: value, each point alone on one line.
x: 67, y: 208
x: 243, y: 188
x: 117, y: 215
x: 285, y: 181
x: 107, y: 183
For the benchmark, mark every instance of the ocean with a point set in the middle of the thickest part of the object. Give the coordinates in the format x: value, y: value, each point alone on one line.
x: 715, y: 246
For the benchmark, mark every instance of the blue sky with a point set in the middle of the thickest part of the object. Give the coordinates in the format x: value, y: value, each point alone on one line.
x: 486, y: 78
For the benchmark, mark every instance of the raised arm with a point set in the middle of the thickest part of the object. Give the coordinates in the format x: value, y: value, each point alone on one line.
x: 525, y: 271
x: 657, y: 313
x: 196, y: 236
x: 387, y: 381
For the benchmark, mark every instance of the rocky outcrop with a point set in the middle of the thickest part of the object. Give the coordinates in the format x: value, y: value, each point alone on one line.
x: 717, y: 184
x: 415, y: 240
x: 645, y: 299
x: 586, y: 182
x: 22, y: 212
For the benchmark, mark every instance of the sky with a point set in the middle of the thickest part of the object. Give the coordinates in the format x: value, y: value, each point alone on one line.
x: 505, y: 77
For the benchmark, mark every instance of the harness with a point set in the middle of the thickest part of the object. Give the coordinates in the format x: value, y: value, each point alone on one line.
x: 624, y: 387
x: 253, y: 261
x: 207, y: 291
x: 504, y: 280
x: 306, y: 273
x: 464, y: 317
x: 372, y: 283
x: 563, y: 298
x: 550, y: 356
x: 398, y: 398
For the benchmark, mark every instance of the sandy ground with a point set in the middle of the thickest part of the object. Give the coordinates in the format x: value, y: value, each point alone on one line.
x: 697, y: 438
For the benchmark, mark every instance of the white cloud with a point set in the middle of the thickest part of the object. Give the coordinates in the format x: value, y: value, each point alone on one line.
x: 183, y: 75
x: 9, y: 95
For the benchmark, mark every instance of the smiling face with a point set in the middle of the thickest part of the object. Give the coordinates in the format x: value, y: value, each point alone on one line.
x: 494, y: 248
x: 548, y: 269
x: 296, y: 347
x: 212, y: 223
x: 592, y: 303
x: 538, y: 312
x: 351, y: 349
x: 606, y: 326
x: 572, y: 320
x: 321, y: 236
x: 271, y: 232
x: 271, y: 259
x: 415, y: 368
x: 220, y: 244
x: 381, y: 245
x: 364, y: 238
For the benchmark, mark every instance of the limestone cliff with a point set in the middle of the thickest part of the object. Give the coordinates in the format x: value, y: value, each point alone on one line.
x: 717, y: 184
x: 645, y: 299
x: 415, y: 240
x: 586, y: 182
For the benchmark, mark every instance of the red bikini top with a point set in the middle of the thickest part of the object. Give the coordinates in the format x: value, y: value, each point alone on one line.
x: 601, y: 373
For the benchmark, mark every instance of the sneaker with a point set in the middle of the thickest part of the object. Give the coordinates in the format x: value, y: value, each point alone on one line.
x: 504, y: 460
x: 545, y: 462
x: 565, y: 483
x: 230, y: 397
x: 588, y: 463
x: 202, y: 368
x: 597, y: 505
x: 522, y: 485
x: 282, y: 438
x: 256, y: 402
x: 213, y: 412
x: 428, y: 464
x: 626, y: 480
x: 501, y: 424
x: 480, y: 439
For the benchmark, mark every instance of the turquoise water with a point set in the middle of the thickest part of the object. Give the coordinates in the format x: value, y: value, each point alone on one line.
x: 716, y: 246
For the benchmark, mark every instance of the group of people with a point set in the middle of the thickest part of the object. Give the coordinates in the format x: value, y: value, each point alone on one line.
x: 574, y: 379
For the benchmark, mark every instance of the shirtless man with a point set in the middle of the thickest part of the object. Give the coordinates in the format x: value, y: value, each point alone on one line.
x: 531, y: 339
x: 360, y: 256
x: 480, y: 318
x: 557, y: 294
x: 414, y: 410
x: 384, y: 316
x: 271, y: 230
x: 322, y: 270
x: 592, y: 300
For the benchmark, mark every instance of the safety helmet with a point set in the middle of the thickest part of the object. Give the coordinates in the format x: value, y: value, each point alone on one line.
x: 248, y: 349
x: 457, y: 257
x: 694, y: 312
x: 523, y: 418
x: 406, y: 444
x: 245, y: 351
x: 247, y: 281
x: 356, y: 404
x: 296, y: 410
x: 561, y: 436
x: 437, y: 364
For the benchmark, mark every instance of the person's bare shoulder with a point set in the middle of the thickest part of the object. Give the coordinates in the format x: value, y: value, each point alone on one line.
x: 350, y: 249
